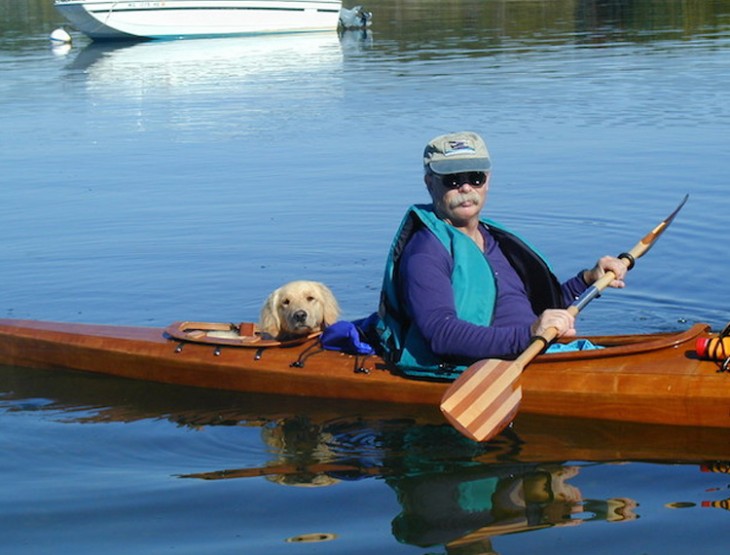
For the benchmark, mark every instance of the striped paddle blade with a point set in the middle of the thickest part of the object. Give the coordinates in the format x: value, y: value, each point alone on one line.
x: 485, y: 398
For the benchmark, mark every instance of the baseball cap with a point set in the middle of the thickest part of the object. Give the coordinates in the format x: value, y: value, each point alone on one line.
x: 464, y: 151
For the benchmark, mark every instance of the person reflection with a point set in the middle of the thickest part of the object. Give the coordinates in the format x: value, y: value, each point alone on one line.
x: 452, y: 492
x: 447, y: 497
x: 464, y: 509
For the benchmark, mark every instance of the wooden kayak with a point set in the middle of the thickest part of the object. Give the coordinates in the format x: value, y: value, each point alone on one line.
x: 646, y: 378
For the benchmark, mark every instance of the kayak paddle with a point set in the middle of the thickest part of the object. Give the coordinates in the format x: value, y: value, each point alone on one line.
x: 485, y: 398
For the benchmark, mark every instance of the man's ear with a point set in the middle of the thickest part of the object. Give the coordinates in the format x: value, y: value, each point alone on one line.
x: 430, y: 182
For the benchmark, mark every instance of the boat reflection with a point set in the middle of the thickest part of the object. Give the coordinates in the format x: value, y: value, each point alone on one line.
x: 226, y: 86
x: 142, y: 68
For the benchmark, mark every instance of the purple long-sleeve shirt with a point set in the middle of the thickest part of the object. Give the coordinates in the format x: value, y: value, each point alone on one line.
x: 425, y: 286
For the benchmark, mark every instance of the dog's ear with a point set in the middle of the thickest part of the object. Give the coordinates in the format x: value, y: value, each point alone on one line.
x: 269, y: 321
x: 331, y: 308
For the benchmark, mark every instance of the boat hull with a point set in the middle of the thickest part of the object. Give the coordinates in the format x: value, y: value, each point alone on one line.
x: 646, y: 378
x: 174, y: 19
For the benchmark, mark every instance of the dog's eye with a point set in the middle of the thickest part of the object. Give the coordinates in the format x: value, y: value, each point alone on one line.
x: 285, y: 302
x: 311, y: 299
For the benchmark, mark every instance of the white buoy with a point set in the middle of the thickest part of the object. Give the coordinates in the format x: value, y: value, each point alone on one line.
x: 60, y: 36
x: 60, y: 49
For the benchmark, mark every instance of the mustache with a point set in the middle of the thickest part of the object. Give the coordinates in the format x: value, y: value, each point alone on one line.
x: 461, y: 198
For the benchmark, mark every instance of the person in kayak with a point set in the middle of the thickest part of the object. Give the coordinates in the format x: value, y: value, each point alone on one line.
x: 459, y: 287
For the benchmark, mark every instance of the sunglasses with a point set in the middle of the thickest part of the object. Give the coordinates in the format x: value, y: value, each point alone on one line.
x: 456, y: 180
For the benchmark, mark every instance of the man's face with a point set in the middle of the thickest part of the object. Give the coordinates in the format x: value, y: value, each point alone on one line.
x: 458, y: 197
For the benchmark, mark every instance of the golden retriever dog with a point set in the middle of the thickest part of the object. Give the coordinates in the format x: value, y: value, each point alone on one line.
x: 298, y: 308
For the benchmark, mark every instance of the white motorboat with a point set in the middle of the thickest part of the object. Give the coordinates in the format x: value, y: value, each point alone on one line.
x: 174, y: 19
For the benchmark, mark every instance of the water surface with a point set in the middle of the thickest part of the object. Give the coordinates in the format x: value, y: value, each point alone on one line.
x: 147, y: 183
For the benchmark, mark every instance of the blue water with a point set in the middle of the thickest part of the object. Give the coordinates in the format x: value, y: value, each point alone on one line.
x: 157, y: 182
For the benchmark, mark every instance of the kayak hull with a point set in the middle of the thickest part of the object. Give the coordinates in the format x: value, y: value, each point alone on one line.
x: 655, y: 378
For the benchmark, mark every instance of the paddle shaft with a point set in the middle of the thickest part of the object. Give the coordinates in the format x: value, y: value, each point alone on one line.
x: 540, y: 342
x: 595, y: 289
x: 486, y: 397
x: 290, y: 469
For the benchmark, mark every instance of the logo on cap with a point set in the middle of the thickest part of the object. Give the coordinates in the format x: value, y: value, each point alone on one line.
x: 459, y: 147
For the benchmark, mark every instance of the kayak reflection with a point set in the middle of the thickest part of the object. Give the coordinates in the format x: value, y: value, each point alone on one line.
x: 447, y: 496
x: 452, y: 492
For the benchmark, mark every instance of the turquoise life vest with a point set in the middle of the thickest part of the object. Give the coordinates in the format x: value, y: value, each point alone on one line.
x: 474, y: 287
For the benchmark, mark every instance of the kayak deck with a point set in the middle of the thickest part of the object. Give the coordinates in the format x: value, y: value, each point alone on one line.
x: 654, y: 378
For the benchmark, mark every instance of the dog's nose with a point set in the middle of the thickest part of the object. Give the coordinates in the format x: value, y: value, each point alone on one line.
x: 300, y: 316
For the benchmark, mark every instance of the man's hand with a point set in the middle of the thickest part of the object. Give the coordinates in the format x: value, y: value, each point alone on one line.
x: 606, y: 264
x: 560, y: 319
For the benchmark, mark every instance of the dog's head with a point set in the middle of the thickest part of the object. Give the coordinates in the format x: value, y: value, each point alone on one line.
x: 298, y: 308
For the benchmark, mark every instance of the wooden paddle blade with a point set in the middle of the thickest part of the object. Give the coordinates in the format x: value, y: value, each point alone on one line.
x: 484, y: 399
x: 648, y: 241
